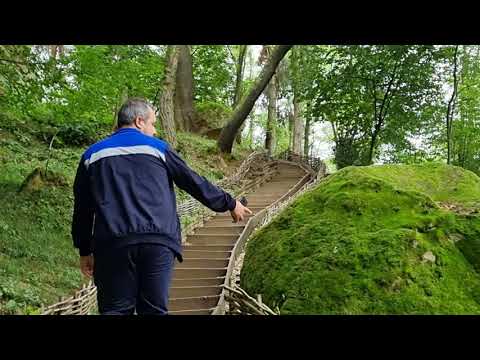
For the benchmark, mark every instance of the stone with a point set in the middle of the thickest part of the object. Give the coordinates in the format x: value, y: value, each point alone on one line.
x: 428, y: 256
x: 456, y: 237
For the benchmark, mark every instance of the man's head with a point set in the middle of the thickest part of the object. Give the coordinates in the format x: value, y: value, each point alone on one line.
x: 138, y: 114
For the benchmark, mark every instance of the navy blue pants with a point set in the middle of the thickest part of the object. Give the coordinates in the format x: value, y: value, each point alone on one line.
x: 133, y: 278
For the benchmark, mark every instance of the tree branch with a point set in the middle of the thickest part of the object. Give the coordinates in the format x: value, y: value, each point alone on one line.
x: 231, y: 54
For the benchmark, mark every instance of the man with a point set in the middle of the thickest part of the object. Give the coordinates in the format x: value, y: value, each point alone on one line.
x: 125, y: 222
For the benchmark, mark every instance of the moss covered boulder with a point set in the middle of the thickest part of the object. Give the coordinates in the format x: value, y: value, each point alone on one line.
x: 391, y: 239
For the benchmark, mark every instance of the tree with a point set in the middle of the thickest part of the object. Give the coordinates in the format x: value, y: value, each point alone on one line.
x: 228, y: 133
x: 306, y: 143
x: 166, y: 103
x: 465, y: 134
x: 372, y: 95
x: 240, y: 66
x: 213, y: 74
x: 271, y: 116
x: 298, y: 123
x: 184, y: 109
x: 271, y: 92
x: 451, y: 105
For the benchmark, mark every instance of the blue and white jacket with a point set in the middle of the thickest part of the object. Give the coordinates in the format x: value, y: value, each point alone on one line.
x: 123, y: 193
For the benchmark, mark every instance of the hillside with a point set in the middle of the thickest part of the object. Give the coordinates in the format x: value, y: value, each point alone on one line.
x: 37, y: 260
x: 397, y: 239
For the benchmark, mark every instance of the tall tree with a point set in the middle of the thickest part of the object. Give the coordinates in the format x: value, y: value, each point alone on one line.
x: 306, y: 137
x: 166, y: 111
x: 298, y: 124
x: 466, y: 127
x: 56, y: 50
x: 239, y: 67
x: 271, y: 93
x: 298, y: 129
x: 228, y: 133
x: 184, y: 108
x: 451, y: 105
x: 271, y: 116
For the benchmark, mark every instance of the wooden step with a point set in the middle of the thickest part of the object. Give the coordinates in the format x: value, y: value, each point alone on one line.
x: 215, y: 230
x: 208, y: 247
x: 199, y: 254
x: 258, y: 203
x: 195, y: 273
x: 223, y: 221
x: 296, y: 172
x: 202, y: 263
x: 278, y: 189
x: 280, y: 185
x: 212, y: 239
x: 256, y: 208
x: 228, y: 216
x: 194, y: 291
x: 192, y: 312
x: 193, y: 303
x: 197, y: 282
x: 286, y: 178
x: 261, y: 199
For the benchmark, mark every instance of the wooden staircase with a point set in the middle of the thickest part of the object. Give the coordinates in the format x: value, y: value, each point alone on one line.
x: 197, y: 282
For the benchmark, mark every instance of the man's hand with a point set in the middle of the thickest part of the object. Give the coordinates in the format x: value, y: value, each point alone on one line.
x: 86, y: 265
x: 239, y: 213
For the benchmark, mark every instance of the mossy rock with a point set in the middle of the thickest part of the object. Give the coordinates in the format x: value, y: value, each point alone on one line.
x: 38, y: 179
x: 356, y: 244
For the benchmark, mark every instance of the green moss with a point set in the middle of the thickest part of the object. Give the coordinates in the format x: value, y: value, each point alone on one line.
x: 354, y: 245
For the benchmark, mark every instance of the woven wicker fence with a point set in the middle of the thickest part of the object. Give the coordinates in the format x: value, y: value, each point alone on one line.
x: 84, y: 301
x: 235, y: 300
x: 81, y: 303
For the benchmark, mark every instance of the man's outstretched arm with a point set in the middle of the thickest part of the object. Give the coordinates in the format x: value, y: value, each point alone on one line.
x: 201, y: 189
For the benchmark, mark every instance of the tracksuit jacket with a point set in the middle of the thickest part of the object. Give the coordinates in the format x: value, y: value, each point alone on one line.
x: 124, y: 194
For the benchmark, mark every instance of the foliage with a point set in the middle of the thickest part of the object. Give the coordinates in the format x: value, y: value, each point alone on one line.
x: 213, y: 73
x: 214, y: 113
x: 466, y: 127
x: 372, y: 95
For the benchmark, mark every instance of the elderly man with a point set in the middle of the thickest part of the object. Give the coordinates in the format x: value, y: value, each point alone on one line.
x: 125, y: 222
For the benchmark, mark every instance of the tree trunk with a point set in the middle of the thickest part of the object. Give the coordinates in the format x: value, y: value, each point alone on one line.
x: 122, y: 98
x: 271, y: 117
x: 298, y: 127
x: 290, y: 130
x: 307, y: 137
x: 239, y: 78
x: 451, y: 106
x: 250, y: 130
x: 227, y: 136
x: 184, y: 110
x: 167, y: 110
x: 373, y: 143
x: 239, y: 84
x: 55, y: 50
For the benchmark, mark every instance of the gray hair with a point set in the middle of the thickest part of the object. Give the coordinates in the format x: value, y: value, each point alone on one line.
x: 131, y: 109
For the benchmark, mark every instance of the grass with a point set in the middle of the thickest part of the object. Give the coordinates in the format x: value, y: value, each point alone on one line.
x: 38, y: 263
x: 356, y: 243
